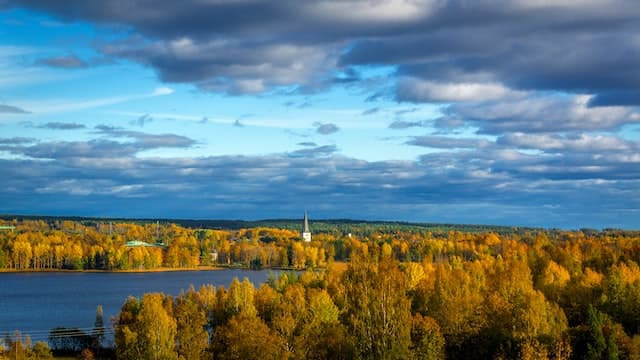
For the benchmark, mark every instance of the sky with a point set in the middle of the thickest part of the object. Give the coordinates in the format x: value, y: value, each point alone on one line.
x: 521, y: 112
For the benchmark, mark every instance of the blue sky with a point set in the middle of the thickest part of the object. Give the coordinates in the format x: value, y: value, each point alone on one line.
x: 489, y: 112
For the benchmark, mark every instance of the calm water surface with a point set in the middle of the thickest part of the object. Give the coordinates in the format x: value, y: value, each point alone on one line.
x: 34, y: 303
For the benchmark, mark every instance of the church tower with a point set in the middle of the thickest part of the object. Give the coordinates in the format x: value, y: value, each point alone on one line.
x: 306, y: 233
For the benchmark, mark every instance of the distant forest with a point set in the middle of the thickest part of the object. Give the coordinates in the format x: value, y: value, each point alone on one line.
x: 371, y: 290
x: 44, y: 243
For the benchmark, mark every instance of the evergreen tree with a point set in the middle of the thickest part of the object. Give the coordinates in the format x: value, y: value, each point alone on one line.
x: 596, y: 343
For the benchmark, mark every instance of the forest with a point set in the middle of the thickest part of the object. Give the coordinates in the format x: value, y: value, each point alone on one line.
x: 373, y: 293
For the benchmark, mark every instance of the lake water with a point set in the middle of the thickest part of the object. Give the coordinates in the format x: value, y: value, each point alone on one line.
x: 34, y: 303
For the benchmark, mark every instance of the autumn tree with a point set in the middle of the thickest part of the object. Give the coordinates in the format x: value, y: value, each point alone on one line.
x: 246, y: 337
x: 377, y: 309
x: 99, y: 330
x: 145, y: 330
x: 191, y: 337
x: 427, y: 342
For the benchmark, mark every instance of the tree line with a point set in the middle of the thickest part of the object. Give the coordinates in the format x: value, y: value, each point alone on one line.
x: 391, y: 295
x: 510, y: 300
x: 64, y: 244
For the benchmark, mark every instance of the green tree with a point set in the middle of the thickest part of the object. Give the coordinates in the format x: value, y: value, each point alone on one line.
x: 427, y: 341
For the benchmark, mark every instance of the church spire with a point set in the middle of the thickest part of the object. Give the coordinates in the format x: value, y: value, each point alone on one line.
x: 306, y: 233
x: 306, y: 222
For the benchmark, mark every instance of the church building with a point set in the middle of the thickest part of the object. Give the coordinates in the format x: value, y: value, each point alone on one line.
x: 306, y: 233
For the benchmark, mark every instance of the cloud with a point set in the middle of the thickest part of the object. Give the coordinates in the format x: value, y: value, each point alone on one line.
x: 401, y: 124
x: 8, y: 109
x: 255, y: 46
x: 145, y: 141
x: 371, y: 111
x: 141, y: 120
x: 445, y: 142
x: 313, y: 152
x: 416, y: 90
x: 326, y: 129
x: 62, y: 126
x: 446, y: 186
x: 161, y: 91
x: 64, y: 62
x: 117, y: 145
x: 540, y: 114
x: 574, y: 144
x: 233, y: 66
x: 533, y: 107
x: 16, y: 141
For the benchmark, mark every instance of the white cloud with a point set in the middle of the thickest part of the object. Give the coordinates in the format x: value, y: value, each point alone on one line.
x: 367, y: 11
x: 413, y: 89
x: 543, y: 114
x: 579, y: 143
x: 164, y: 90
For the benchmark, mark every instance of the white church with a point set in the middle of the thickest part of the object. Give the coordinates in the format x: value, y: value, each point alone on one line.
x: 306, y: 233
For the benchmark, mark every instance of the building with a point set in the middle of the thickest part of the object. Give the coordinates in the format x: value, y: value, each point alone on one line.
x: 306, y: 233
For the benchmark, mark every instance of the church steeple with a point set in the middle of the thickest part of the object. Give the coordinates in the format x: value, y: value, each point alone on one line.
x: 306, y: 233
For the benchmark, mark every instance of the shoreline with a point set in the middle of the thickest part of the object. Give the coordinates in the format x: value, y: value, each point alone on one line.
x: 162, y: 269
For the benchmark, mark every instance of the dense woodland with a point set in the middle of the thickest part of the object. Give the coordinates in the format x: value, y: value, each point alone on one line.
x: 403, y: 293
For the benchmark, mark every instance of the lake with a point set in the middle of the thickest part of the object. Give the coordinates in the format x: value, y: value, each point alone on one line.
x: 34, y: 303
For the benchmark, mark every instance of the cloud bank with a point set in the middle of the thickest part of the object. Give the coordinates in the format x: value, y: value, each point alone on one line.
x: 537, y: 101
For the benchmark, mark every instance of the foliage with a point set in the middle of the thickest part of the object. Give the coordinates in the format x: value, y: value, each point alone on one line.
x: 386, y: 291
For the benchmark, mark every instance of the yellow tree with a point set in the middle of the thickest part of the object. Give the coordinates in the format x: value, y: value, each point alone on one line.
x: 240, y: 298
x: 247, y: 338
x: 145, y: 330
x: 377, y: 309
x: 22, y: 254
x: 191, y: 320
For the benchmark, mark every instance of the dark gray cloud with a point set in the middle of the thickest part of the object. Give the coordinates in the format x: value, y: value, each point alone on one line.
x: 64, y: 62
x: 62, y: 126
x: 552, y: 82
x: 8, y: 109
x: 446, y: 186
x: 254, y: 46
x: 326, y: 129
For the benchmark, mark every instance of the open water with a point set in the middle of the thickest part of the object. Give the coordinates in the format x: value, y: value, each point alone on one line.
x: 34, y: 303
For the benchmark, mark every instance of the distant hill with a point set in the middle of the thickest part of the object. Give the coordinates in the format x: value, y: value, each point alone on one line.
x: 320, y: 225
x: 333, y: 226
